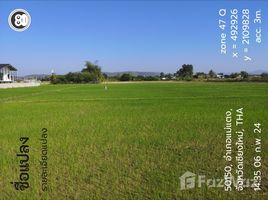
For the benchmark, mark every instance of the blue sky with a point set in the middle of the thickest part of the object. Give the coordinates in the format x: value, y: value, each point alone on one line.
x: 125, y: 35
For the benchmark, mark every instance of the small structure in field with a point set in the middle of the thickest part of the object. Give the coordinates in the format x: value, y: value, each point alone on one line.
x: 220, y: 75
x: 7, y: 73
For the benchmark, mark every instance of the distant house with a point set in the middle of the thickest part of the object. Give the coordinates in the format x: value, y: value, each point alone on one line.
x: 7, y: 73
x: 220, y: 75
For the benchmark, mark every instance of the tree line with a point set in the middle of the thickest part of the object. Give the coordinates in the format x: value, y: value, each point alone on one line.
x: 92, y: 73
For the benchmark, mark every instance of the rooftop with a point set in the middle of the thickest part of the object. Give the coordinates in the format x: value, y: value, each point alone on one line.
x: 9, y: 66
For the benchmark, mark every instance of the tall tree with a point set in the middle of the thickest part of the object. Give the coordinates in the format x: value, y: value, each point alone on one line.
x: 186, y: 71
x: 212, y: 74
x: 244, y: 74
x: 125, y: 77
x: 94, y: 70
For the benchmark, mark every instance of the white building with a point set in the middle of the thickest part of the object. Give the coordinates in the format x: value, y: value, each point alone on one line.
x: 221, y: 76
x: 7, y: 73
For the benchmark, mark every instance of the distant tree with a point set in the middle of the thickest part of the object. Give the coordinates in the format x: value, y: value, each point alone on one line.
x: 212, y: 74
x: 70, y: 77
x: 105, y: 76
x: 264, y: 76
x: 91, y: 73
x: 185, y: 72
x: 162, y: 75
x: 169, y: 76
x: 114, y: 78
x: 234, y: 75
x: 244, y: 74
x: 200, y: 75
x: 61, y: 79
x: 125, y: 77
x: 53, y: 78
x: 58, y: 79
x: 86, y: 77
x: 139, y: 78
x: 151, y: 78
x: 94, y: 70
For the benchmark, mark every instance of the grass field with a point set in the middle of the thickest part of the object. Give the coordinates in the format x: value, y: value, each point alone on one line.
x: 132, y: 141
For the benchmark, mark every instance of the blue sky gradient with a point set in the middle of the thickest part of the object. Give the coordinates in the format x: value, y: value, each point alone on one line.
x: 125, y: 35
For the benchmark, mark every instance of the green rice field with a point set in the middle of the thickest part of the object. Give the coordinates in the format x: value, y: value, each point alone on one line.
x: 131, y: 141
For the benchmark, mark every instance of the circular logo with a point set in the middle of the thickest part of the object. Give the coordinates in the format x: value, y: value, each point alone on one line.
x: 19, y: 20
